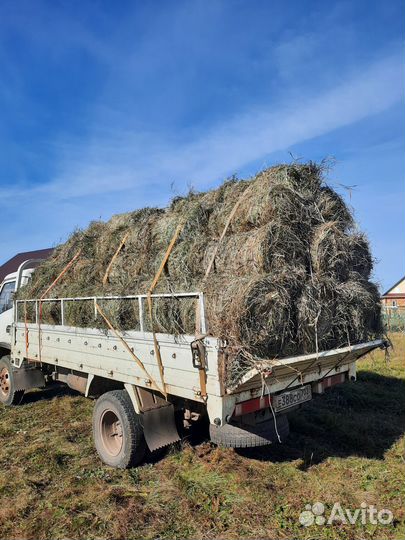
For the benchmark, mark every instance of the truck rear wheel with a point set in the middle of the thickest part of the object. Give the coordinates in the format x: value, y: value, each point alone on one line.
x: 117, y: 431
x: 8, y: 393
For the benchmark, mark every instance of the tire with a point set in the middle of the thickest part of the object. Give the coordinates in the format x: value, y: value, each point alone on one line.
x: 8, y: 393
x: 117, y: 431
x: 246, y: 436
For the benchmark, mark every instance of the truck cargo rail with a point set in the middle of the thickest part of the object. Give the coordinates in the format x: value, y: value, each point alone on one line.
x: 140, y: 298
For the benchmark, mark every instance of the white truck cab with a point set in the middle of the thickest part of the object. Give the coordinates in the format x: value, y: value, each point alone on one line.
x: 10, y: 284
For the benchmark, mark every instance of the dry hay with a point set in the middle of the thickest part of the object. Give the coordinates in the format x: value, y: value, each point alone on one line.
x: 263, y: 249
x: 360, y: 258
x: 357, y: 310
x: 316, y: 314
x: 262, y: 310
x: 332, y: 207
x: 290, y: 275
x: 336, y: 252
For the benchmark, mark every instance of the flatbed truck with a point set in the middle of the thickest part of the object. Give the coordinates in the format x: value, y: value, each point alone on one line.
x: 143, y: 382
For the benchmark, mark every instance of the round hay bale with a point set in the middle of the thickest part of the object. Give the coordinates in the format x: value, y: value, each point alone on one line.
x: 261, y: 250
x: 360, y: 258
x: 223, y: 203
x: 329, y: 250
x: 316, y: 309
x: 174, y: 315
x: 307, y: 178
x: 293, y: 210
x: 137, y: 257
x: 358, y: 311
x: 332, y: 207
x: 81, y: 313
x: 273, y: 194
x: 255, y: 312
x: 336, y: 253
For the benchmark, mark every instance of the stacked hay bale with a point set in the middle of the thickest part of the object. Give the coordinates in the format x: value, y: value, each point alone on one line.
x: 290, y: 275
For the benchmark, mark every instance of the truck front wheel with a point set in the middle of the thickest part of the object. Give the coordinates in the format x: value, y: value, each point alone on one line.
x: 9, y: 395
x: 117, y: 431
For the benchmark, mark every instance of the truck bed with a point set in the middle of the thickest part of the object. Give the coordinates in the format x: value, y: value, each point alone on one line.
x: 100, y: 353
x: 91, y: 352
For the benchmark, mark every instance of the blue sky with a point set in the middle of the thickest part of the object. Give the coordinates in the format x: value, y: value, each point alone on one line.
x: 111, y: 106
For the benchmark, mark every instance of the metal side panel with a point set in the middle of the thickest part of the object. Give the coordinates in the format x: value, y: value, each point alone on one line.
x: 103, y: 354
x: 293, y: 368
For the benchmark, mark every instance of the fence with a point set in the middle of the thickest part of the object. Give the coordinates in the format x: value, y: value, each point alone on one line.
x: 394, y: 318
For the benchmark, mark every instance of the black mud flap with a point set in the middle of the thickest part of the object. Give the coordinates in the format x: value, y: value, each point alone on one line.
x: 159, y: 427
x: 24, y: 379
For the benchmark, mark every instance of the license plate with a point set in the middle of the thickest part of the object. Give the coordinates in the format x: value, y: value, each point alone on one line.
x: 291, y: 398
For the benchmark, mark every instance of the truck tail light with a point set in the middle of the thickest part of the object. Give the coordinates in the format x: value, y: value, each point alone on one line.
x: 320, y: 386
x: 252, y: 405
x: 334, y: 379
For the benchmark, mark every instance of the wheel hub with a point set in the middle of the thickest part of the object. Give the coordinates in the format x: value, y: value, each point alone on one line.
x: 4, y: 382
x: 111, y: 432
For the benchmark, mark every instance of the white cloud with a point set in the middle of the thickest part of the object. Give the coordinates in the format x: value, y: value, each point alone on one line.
x: 114, y: 170
x: 121, y: 161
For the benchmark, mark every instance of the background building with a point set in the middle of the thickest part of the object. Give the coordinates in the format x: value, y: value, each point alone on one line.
x: 395, y: 296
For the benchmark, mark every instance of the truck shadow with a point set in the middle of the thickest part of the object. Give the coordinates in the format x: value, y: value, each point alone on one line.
x: 364, y: 418
x: 49, y: 392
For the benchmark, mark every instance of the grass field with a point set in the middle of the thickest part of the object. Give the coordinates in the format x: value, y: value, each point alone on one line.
x: 346, y: 446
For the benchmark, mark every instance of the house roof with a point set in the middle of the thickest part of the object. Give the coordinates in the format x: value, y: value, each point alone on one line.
x: 13, y: 264
x: 393, y: 286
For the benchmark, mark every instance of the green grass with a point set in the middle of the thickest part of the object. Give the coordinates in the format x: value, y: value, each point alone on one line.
x: 346, y: 446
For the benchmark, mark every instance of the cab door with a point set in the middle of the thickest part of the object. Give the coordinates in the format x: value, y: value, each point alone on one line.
x: 6, y: 312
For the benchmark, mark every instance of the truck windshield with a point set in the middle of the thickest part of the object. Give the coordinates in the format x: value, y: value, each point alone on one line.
x: 6, y: 296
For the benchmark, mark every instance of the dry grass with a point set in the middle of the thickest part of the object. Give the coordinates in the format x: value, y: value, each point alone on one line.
x: 345, y: 446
